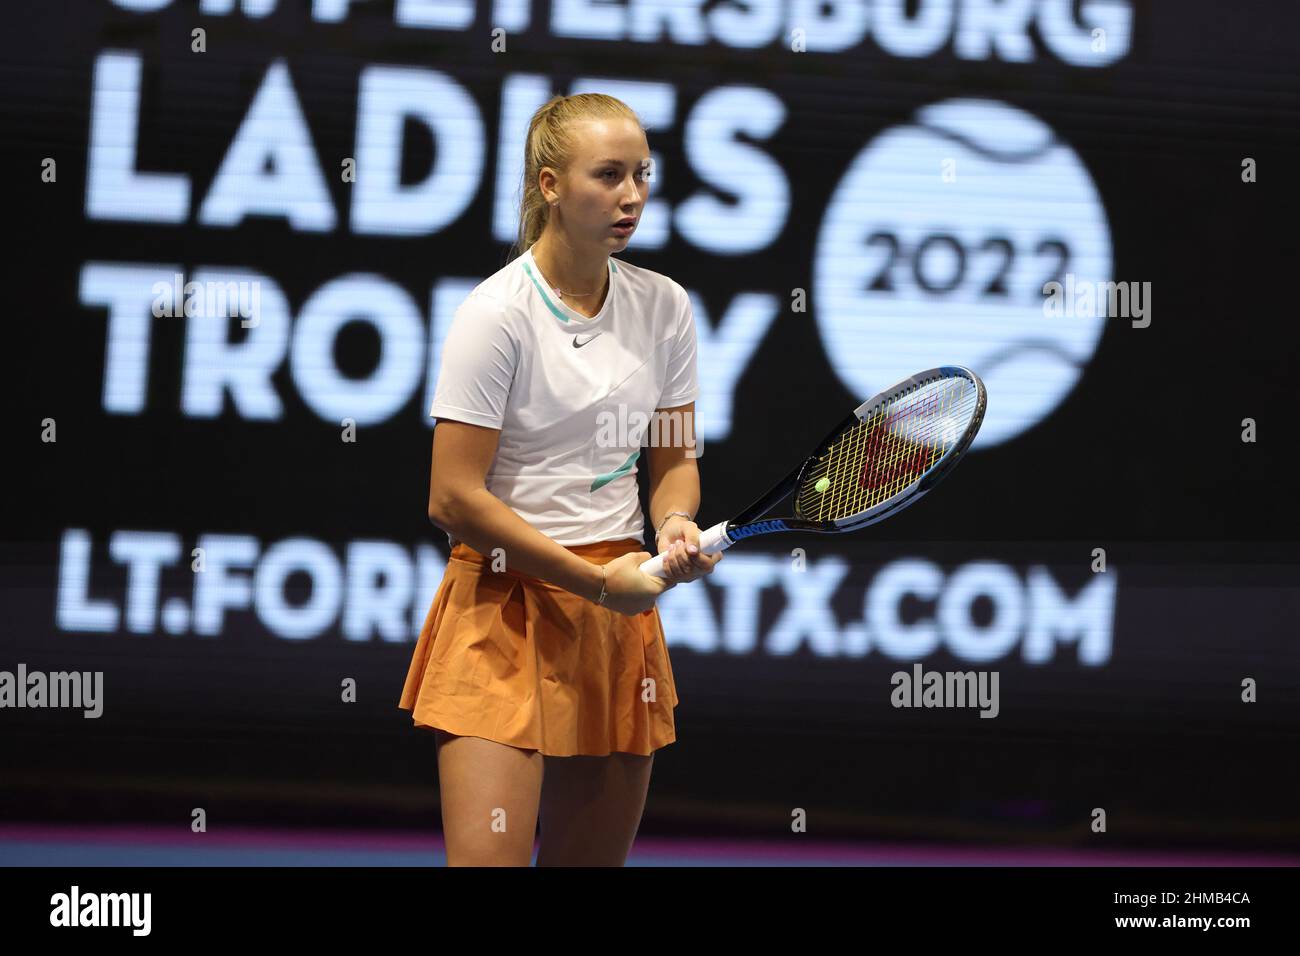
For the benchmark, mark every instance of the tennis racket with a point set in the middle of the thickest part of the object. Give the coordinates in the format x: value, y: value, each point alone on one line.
x: 885, y: 455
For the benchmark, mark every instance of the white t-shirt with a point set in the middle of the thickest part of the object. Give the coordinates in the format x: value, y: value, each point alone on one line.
x: 572, y: 395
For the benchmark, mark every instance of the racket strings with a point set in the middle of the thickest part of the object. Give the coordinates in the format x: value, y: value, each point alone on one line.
x: 876, y: 459
x: 924, y: 431
x: 917, y: 430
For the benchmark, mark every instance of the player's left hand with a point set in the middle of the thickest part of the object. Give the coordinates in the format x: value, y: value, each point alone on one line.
x: 679, y: 543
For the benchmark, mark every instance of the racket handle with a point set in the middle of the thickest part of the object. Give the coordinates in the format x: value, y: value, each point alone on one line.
x: 712, y: 540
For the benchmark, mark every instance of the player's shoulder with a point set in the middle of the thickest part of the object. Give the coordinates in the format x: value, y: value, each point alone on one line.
x: 501, y: 295
x: 655, y: 287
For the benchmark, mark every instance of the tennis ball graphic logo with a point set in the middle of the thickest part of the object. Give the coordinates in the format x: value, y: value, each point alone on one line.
x: 935, y: 249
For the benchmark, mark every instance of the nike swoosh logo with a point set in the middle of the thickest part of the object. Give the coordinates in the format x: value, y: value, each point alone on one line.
x: 578, y: 345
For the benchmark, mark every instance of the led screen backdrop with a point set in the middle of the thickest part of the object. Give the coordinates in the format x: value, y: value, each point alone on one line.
x: 244, y: 229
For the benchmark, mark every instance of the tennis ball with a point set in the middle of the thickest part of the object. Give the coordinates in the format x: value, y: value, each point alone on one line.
x: 822, y: 484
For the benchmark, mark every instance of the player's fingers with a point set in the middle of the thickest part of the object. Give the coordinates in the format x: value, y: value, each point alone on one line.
x: 683, y: 559
x: 702, y: 560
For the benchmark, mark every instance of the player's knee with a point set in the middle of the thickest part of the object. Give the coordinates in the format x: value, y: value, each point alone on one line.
x: 493, y: 850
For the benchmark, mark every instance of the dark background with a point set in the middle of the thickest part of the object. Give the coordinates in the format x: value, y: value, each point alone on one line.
x: 1144, y: 457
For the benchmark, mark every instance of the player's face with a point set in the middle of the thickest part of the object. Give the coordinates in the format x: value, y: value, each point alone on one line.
x: 608, y: 181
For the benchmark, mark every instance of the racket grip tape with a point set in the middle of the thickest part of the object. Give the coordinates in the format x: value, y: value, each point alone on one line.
x: 712, y: 540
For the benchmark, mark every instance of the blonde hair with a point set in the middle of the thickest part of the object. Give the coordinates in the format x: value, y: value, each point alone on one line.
x: 550, y: 142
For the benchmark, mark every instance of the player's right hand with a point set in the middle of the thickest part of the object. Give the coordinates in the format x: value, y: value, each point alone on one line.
x: 628, y: 589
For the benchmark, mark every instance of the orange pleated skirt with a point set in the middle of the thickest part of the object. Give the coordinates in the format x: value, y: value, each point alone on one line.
x: 509, y: 657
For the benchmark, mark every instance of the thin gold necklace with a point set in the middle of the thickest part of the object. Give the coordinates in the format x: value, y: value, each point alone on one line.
x: 556, y: 289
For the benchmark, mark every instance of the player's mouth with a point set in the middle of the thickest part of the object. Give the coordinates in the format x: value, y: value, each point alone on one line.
x: 624, y: 227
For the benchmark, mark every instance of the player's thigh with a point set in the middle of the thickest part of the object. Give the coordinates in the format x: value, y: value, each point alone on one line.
x: 490, y: 793
x: 591, y: 808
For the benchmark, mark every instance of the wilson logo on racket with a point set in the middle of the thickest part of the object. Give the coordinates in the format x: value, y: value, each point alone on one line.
x: 884, y: 456
x: 761, y: 527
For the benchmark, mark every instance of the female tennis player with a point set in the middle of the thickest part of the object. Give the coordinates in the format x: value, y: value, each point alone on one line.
x: 543, y: 651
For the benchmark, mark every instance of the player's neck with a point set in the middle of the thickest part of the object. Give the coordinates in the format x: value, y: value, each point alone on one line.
x: 573, y: 274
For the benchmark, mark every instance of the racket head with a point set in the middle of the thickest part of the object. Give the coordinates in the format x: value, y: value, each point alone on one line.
x: 895, y: 447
